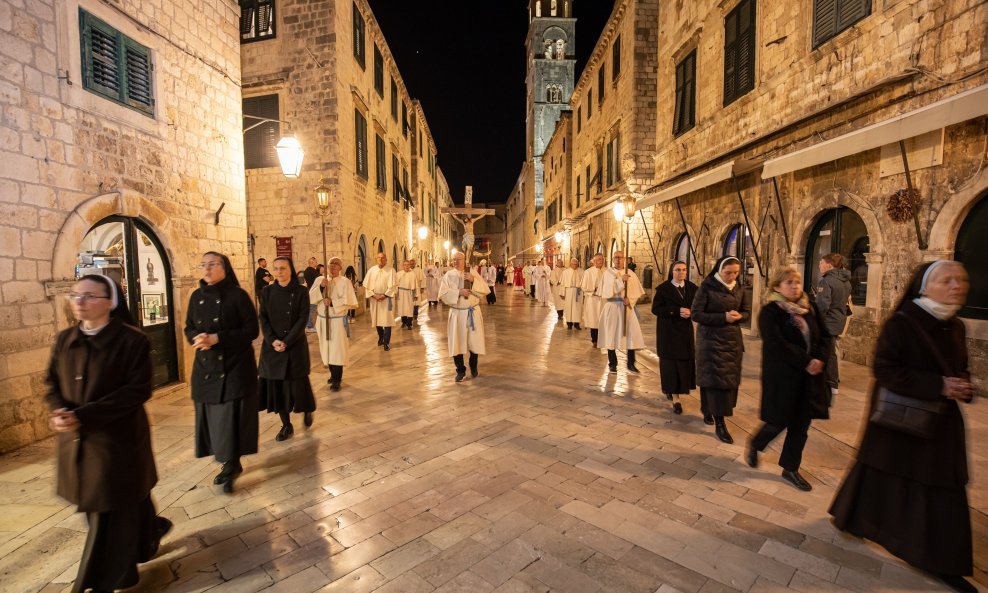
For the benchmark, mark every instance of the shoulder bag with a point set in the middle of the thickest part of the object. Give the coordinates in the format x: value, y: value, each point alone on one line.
x: 903, y: 413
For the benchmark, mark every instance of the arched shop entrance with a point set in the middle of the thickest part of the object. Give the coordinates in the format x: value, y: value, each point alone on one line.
x: 737, y: 243
x: 126, y: 250
x: 839, y: 230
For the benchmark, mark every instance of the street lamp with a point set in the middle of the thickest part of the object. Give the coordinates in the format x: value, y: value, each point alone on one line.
x: 423, y: 232
x: 446, y: 248
x: 290, y: 155
x: 322, y: 201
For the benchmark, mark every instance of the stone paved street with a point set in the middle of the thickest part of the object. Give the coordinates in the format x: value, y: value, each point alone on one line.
x: 543, y: 474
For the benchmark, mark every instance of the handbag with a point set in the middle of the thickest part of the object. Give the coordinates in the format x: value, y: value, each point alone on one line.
x: 911, y: 415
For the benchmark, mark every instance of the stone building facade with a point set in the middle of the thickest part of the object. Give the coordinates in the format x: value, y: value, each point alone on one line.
x: 557, y: 163
x: 490, y: 234
x: 780, y: 130
x: 120, y: 136
x: 329, y: 75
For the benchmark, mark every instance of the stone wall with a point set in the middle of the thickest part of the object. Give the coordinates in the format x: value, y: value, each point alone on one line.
x: 71, y: 158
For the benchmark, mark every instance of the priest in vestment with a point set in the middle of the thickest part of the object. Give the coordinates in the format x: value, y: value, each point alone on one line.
x: 407, y: 287
x: 541, y: 275
x: 555, y: 278
x: 381, y: 286
x: 570, y: 282
x: 433, y: 276
x: 462, y: 290
x: 420, y: 282
x: 509, y: 274
x: 619, y: 325
x: 334, y: 298
x: 529, y: 273
x: 590, y: 288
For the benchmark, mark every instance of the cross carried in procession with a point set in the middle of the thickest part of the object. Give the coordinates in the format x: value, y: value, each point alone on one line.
x: 467, y: 216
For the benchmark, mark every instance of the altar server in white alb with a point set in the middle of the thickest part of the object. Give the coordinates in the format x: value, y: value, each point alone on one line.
x: 619, y: 291
x: 570, y: 292
x: 555, y: 279
x: 462, y: 291
x: 433, y: 276
x: 529, y: 274
x: 335, y: 298
x: 420, y: 286
x: 590, y: 288
x: 541, y: 275
x: 490, y: 275
x: 407, y: 294
x: 381, y: 286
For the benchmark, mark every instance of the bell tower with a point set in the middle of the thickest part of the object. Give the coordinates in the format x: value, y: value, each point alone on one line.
x: 551, y: 49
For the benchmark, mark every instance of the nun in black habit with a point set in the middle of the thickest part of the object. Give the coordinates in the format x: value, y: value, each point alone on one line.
x: 284, y: 368
x: 221, y: 325
x: 674, y: 334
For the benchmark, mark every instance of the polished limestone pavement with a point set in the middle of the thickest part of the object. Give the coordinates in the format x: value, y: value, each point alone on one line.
x: 545, y: 473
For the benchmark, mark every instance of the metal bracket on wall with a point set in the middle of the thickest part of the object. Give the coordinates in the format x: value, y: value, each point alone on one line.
x: 686, y: 230
x: 648, y: 236
x: 216, y: 217
x: 747, y: 224
x: 782, y: 214
x: 909, y: 186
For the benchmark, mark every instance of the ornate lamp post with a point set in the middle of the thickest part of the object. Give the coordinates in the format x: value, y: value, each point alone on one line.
x: 322, y: 200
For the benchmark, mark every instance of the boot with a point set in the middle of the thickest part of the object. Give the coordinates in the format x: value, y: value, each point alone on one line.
x: 307, y: 417
x: 796, y: 480
x: 720, y: 428
x: 286, y: 432
x: 229, y: 471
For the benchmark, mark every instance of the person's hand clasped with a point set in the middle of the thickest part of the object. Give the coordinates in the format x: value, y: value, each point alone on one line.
x: 465, y: 292
x: 278, y: 346
x: 684, y: 313
x: 204, y: 341
x: 957, y: 388
x: 815, y: 367
x: 732, y: 316
x: 63, y: 420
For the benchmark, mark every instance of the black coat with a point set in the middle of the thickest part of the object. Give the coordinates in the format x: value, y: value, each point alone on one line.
x: 284, y: 311
x: 310, y: 274
x: 227, y: 371
x: 674, y: 335
x: 905, y: 365
x: 105, y: 379
x: 832, y: 292
x: 719, y: 346
x: 789, y: 393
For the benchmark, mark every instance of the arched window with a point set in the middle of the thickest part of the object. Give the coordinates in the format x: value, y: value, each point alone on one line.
x: 737, y: 243
x: 839, y: 230
x: 553, y: 10
x: 394, y: 256
x: 970, y: 250
x: 586, y: 256
x: 684, y: 253
x: 404, y: 253
x: 600, y: 248
x: 614, y: 249
x: 380, y: 248
x: 361, y: 257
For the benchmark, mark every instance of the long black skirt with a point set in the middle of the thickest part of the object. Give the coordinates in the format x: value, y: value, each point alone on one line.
x: 718, y: 402
x: 677, y: 376
x: 227, y: 430
x: 927, y: 526
x: 117, y: 542
x: 290, y: 395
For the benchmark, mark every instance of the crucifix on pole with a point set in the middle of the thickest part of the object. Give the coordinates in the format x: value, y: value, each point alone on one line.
x: 467, y: 216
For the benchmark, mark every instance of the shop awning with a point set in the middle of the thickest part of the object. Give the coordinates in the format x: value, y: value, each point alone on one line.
x: 697, y: 182
x: 952, y: 110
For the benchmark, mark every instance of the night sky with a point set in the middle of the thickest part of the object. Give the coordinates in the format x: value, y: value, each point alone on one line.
x: 467, y: 67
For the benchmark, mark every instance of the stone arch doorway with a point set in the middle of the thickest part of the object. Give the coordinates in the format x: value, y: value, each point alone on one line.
x: 682, y: 251
x: 737, y: 243
x: 586, y: 257
x: 970, y: 250
x: 127, y: 250
x: 839, y: 230
x: 361, y: 257
x: 394, y: 256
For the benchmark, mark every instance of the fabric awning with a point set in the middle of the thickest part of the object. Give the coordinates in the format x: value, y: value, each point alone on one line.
x: 697, y: 182
x: 952, y: 110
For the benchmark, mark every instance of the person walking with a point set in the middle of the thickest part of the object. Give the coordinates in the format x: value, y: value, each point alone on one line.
x: 405, y: 298
x: 592, y: 303
x: 619, y: 291
x: 262, y: 277
x: 832, y: 294
x: 221, y: 325
x: 718, y: 308
x: 794, y: 390
x: 674, y: 335
x: 907, y: 491
x: 336, y: 298
x: 284, y: 367
x: 99, y: 376
x: 461, y: 291
x: 381, y: 287
x: 569, y: 289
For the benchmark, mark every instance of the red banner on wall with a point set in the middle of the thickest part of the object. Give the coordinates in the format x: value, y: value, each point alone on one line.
x: 283, y: 246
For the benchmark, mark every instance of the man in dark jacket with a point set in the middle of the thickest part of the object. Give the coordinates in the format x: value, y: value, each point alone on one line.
x: 831, y: 297
x: 310, y: 274
x: 262, y: 277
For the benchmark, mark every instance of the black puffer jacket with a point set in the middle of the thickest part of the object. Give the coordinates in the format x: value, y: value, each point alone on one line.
x: 227, y: 371
x: 284, y: 310
x: 719, y: 346
x: 832, y: 292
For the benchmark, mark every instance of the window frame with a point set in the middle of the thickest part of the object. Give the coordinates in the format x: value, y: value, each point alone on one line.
x: 378, y: 71
x: 739, y: 74
x: 381, y: 162
x: 361, y: 166
x: 244, y: 4
x: 359, y: 37
x: 124, y: 47
x: 601, y: 83
x: 836, y: 23
x: 616, y: 59
x: 678, y: 127
x: 394, y: 98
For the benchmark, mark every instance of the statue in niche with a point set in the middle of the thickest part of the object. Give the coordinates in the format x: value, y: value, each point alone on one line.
x: 538, y: 8
x: 560, y: 49
x: 552, y: 10
x: 151, y: 279
x: 548, y: 50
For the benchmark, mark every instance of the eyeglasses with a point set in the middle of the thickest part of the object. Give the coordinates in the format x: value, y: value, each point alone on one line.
x: 83, y: 297
x: 209, y: 266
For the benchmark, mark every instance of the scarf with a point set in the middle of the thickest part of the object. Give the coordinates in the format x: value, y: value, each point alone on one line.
x: 679, y: 285
x: 939, y: 310
x: 721, y: 280
x: 796, y: 311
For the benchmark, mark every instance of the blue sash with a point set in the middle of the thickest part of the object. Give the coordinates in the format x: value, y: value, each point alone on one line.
x: 346, y: 323
x: 469, y: 311
x: 411, y: 289
x: 389, y: 300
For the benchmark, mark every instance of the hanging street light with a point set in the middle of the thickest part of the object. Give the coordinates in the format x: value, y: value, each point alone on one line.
x: 290, y: 155
x: 558, y: 237
x: 629, y: 203
x: 618, y: 211
x: 423, y: 232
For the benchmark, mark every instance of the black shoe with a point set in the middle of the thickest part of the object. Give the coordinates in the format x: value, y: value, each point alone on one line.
x: 796, y: 480
x: 632, y: 368
x: 723, y: 435
x: 474, y: 373
x: 387, y: 347
x: 751, y: 456
x: 307, y: 418
x: 380, y: 341
x: 460, y: 376
x: 230, y: 469
x: 161, y: 528
x: 569, y: 326
x: 611, y: 369
x: 669, y: 396
x: 577, y: 325
x: 708, y: 419
x: 594, y: 344
x: 677, y: 408
x: 228, y: 486
x: 957, y: 583
x: 334, y: 386
x: 286, y: 431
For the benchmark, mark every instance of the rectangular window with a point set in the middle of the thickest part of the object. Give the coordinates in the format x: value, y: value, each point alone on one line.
x: 378, y: 72
x: 395, y: 179
x: 256, y: 20
x: 381, y: 162
x: 404, y: 188
x: 610, y: 163
x: 404, y: 119
x: 830, y: 17
x: 394, y: 99
x: 599, y: 175
x: 739, y: 51
x: 359, y: 44
x: 589, y: 104
x: 115, y: 66
x: 616, y: 58
x: 577, y: 191
x: 601, y: 75
x: 616, y: 141
x: 260, y: 139
x: 579, y: 118
x: 589, y: 182
x: 685, y: 115
x: 360, y: 142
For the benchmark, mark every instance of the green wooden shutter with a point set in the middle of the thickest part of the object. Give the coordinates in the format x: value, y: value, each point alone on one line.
x: 824, y: 20
x: 616, y: 58
x: 247, y: 11
x: 137, y: 65
x: 746, y: 48
x: 100, y: 56
x: 730, y: 56
x: 851, y: 11
x: 260, y: 141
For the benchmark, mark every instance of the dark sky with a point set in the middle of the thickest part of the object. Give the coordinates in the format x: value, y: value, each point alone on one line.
x: 465, y: 61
